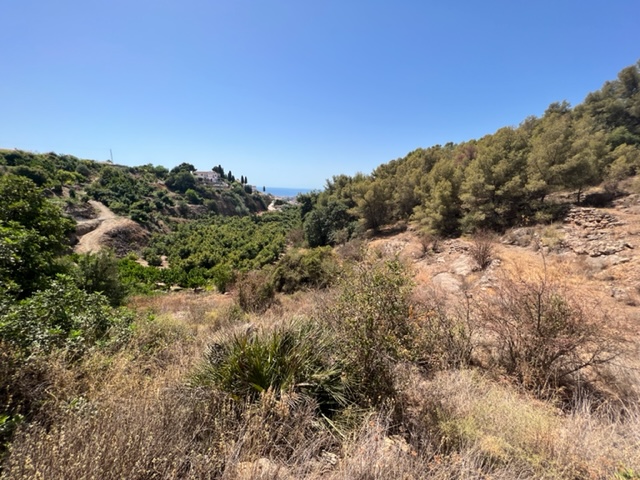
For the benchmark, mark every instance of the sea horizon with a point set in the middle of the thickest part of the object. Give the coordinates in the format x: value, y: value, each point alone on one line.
x: 286, y: 191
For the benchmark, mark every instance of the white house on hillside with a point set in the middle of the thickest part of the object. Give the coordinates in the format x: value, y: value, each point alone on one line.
x: 211, y: 178
x: 208, y: 176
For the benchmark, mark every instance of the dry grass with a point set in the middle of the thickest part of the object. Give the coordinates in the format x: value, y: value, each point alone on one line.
x: 186, y: 305
x: 172, y: 433
x: 506, y: 434
x: 131, y: 414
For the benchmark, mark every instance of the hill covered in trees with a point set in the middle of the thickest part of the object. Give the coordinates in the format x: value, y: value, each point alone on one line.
x: 501, y: 180
x: 151, y: 195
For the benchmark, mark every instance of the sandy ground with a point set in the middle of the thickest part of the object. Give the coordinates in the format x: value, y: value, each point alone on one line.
x: 107, y: 221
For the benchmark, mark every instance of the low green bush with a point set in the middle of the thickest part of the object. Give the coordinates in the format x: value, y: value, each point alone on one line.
x: 298, y: 269
x: 292, y: 358
x: 56, y: 326
x: 256, y: 292
x: 98, y: 273
x: 62, y: 316
x: 372, y: 316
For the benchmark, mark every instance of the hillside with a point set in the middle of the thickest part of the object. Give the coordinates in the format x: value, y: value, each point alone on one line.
x: 152, y: 196
x: 453, y: 410
x: 95, y: 233
x: 594, y: 252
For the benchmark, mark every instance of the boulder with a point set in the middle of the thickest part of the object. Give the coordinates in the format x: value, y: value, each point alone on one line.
x: 448, y: 282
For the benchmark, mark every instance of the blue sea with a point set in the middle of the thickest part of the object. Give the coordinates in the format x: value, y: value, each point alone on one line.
x: 286, y: 192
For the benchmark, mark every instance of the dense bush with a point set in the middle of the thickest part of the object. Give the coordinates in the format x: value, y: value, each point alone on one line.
x: 329, y: 224
x: 62, y: 317
x: 117, y: 186
x: 299, y: 269
x: 98, y: 273
x: 32, y: 234
x: 291, y: 358
x: 62, y: 321
x: 35, y: 174
x: 222, y: 276
x: 372, y: 316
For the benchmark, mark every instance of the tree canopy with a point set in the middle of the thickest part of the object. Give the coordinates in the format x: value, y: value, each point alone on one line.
x: 501, y: 180
x: 33, y: 232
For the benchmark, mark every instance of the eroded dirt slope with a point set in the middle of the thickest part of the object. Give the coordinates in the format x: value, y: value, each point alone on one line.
x: 108, y: 230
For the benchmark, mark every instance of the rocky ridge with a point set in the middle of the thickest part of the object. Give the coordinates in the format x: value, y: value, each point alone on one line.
x: 589, y: 231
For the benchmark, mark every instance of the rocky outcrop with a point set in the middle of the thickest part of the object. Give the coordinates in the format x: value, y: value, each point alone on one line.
x: 447, y: 282
x: 589, y: 231
x: 628, y: 203
x: 591, y: 218
x: 521, y: 237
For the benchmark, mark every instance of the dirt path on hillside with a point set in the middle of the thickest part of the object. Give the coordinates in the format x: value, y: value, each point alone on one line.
x: 96, y: 228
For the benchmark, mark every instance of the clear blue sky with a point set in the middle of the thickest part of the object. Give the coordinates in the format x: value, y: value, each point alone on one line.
x: 291, y: 92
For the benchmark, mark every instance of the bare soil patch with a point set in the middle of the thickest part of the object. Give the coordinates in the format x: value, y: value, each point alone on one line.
x: 121, y: 234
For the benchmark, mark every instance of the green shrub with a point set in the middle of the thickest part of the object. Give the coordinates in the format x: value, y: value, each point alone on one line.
x: 372, y: 314
x: 154, y: 260
x: 256, y: 292
x: 222, y: 275
x: 35, y: 174
x: 33, y: 233
x: 10, y: 397
x: 293, y: 358
x: 211, y: 205
x: 62, y: 316
x: 83, y: 170
x: 299, y: 269
x: 139, y: 216
x: 193, y: 197
x: 98, y: 272
x: 330, y: 224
